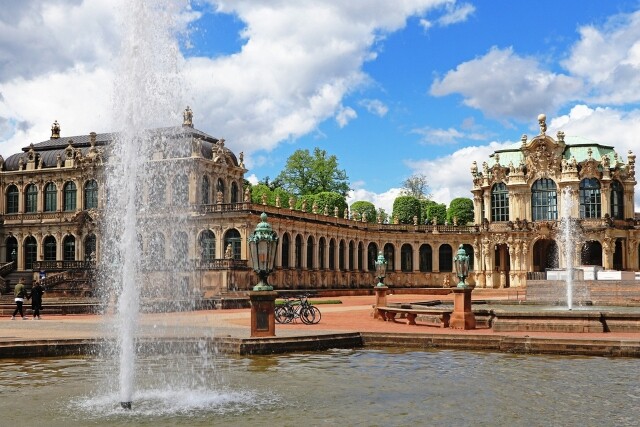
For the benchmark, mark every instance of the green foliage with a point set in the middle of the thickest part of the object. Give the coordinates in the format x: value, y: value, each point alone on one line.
x: 284, y: 196
x: 258, y: 190
x: 306, y: 201
x: 437, y: 210
x: 424, y: 209
x: 384, y: 217
x: 312, y: 174
x: 361, y: 207
x: 405, y: 208
x: 461, y: 208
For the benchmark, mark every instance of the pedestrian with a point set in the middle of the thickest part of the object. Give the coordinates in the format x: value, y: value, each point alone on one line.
x: 20, y: 294
x: 36, y: 299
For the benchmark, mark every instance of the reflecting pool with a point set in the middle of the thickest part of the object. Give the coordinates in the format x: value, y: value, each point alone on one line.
x: 338, y: 387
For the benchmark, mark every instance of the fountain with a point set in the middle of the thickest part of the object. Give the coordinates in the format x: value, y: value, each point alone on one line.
x: 568, y: 229
x: 147, y: 95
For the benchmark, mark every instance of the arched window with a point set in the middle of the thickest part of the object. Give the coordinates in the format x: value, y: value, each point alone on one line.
x: 70, y: 195
x: 157, y: 191
x: 208, y: 246
x: 341, y: 249
x: 180, y: 248
x: 406, y: 257
x: 91, y: 194
x: 49, y: 248
x: 90, y: 247
x: 180, y: 193
x: 372, y: 256
x: 205, y: 190
x: 310, y: 264
x: 544, y: 200
x: 389, y: 255
x: 220, y: 190
x: 499, y: 202
x: 12, y: 199
x: 321, y: 251
x: 50, y: 197
x: 617, y: 200
x: 426, y: 262
x: 298, y: 253
x: 156, y: 247
x: 446, y: 258
x: 590, y: 198
x: 232, y: 237
x: 12, y: 249
x: 234, y: 193
x: 69, y: 248
x: 332, y: 254
x: 469, y: 250
x: 284, y: 260
x: 30, y: 252
x: 351, y: 256
x: 31, y: 199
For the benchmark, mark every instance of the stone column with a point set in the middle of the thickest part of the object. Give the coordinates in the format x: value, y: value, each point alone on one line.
x: 381, y: 299
x: 263, y: 319
x: 462, y: 316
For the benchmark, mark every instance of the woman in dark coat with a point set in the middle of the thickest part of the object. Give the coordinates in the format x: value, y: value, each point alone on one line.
x: 36, y: 299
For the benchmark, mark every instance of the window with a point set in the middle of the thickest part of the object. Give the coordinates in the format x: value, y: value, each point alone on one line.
x: 351, y: 259
x: 30, y: 252
x: 341, y: 250
x: 206, y: 189
x: 321, y: 252
x: 284, y: 262
x: 372, y: 256
x: 208, y: 246
x: 590, y: 198
x: 50, y: 197
x: 12, y: 199
x: 12, y: 249
x: 70, y: 196
x: 232, y: 237
x: 310, y: 265
x: 332, y: 254
x: 617, y: 201
x: 220, y: 191
x: 49, y: 248
x: 234, y: 193
x: 389, y: 255
x: 69, y: 248
x: 90, y: 248
x: 91, y: 195
x: 446, y: 258
x: 31, y: 199
x: 406, y: 258
x: 180, y: 196
x: 499, y: 203
x: 426, y: 263
x: 544, y: 200
x: 469, y: 250
x: 298, y: 253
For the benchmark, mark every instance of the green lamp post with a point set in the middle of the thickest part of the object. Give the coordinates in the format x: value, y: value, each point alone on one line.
x: 263, y: 245
x: 461, y: 262
x: 381, y: 269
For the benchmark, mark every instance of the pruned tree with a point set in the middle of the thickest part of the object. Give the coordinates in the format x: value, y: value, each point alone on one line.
x: 461, y: 209
x: 364, y: 207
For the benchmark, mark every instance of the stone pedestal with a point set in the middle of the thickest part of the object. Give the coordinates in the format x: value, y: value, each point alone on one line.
x: 263, y: 319
x: 462, y: 316
x: 381, y: 299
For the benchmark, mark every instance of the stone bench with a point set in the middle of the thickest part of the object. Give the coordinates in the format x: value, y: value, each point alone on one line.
x: 389, y: 314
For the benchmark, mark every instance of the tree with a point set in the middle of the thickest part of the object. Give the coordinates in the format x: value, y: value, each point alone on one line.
x: 311, y: 174
x: 360, y: 207
x: 462, y: 209
x: 330, y: 200
x: 416, y: 186
x: 258, y: 190
x: 405, y: 208
x: 384, y: 217
x: 424, y: 210
x: 437, y: 210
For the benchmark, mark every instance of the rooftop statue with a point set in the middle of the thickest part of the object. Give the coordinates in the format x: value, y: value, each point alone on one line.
x: 187, y: 117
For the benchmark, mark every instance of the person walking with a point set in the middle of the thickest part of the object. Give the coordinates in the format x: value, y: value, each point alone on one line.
x: 19, y: 293
x: 36, y: 299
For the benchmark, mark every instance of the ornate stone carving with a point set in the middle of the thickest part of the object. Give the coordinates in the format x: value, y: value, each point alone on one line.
x: 187, y: 117
x: 55, y: 130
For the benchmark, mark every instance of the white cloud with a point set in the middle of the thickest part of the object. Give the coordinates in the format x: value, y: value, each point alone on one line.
x: 456, y: 13
x: 345, y: 115
x: 502, y: 84
x: 608, y: 58
x: 380, y: 200
x: 446, y: 136
x: 374, y: 106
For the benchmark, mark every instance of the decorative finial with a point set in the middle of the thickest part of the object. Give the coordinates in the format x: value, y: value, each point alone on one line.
x: 560, y: 136
x: 55, y: 130
x: 523, y: 138
x: 187, y: 117
x: 542, y: 121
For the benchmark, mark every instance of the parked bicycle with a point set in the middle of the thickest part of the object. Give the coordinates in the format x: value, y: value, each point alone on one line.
x: 297, y: 308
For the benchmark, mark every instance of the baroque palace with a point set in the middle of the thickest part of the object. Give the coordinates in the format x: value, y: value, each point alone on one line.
x: 54, y: 196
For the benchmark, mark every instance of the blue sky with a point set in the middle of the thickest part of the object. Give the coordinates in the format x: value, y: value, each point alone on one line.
x: 391, y: 88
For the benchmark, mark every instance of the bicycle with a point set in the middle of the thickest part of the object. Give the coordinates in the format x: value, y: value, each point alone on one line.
x: 294, y: 308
